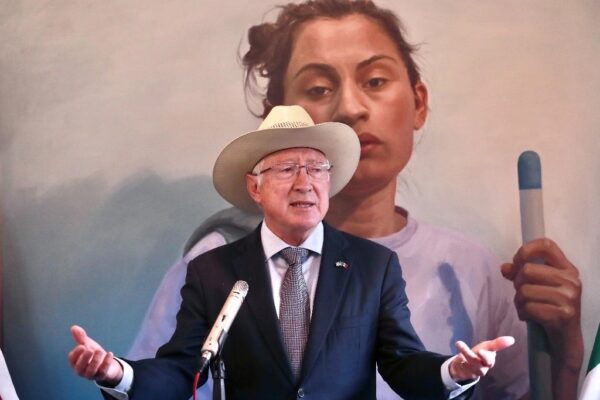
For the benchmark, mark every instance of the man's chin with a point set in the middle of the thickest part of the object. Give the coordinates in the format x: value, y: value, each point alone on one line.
x: 304, y: 221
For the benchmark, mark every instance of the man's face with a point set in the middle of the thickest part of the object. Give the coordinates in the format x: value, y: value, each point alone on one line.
x: 294, y: 206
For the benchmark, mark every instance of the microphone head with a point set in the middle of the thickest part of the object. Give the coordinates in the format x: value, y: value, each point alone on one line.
x: 241, y: 287
x: 530, y: 170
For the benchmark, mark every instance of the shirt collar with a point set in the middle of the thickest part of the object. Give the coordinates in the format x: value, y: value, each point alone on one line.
x: 272, y: 244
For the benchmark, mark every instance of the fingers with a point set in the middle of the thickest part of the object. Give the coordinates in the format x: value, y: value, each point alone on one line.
x: 468, y: 355
x: 78, y: 334
x: 476, y: 362
x: 98, y: 366
x: 544, y: 249
x: 567, y: 295
x: 540, y: 274
x: 468, y: 364
x: 484, y: 353
x: 91, y: 370
x: 81, y: 358
x: 487, y: 358
x: 498, y: 344
x: 93, y: 365
x: 555, y: 318
x: 88, y: 359
x: 75, y: 355
x: 509, y: 271
x: 547, y: 294
x: 104, y: 367
x: 533, y: 255
x: 81, y: 338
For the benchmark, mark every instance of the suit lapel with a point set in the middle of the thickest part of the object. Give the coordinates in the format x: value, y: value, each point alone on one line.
x: 250, y: 265
x: 331, y: 286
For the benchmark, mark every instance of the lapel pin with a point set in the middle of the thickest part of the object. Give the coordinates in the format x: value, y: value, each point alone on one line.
x: 341, y: 264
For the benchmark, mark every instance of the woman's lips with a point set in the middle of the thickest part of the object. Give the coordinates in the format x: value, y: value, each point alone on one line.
x: 367, y: 142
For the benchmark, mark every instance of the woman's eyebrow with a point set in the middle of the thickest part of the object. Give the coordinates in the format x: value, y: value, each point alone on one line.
x: 375, y: 58
x: 324, y: 69
x: 330, y: 71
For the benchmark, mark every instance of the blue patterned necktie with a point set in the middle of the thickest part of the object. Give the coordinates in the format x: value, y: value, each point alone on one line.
x: 294, y: 309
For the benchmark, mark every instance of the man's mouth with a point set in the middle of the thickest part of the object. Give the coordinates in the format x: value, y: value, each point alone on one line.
x: 302, y: 204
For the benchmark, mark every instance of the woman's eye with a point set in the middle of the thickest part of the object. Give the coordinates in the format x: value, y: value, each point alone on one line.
x: 375, y: 82
x: 318, y: 91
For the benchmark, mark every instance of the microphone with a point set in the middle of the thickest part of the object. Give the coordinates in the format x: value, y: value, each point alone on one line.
x: 532, y: 227
x: 215, y: 339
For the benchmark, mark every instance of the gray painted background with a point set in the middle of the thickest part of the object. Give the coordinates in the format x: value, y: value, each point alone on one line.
x: 112, y: 114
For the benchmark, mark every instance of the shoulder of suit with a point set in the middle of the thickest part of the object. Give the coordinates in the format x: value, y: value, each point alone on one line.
x: 251, y: 240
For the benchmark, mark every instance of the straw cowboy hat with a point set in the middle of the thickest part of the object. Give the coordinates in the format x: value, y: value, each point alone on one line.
x: 285, y: 127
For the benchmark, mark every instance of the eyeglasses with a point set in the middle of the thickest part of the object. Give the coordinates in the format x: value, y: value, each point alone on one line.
x: 284, y: 171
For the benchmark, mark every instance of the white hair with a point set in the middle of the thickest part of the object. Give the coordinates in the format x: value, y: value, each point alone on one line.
x: 256, y: 171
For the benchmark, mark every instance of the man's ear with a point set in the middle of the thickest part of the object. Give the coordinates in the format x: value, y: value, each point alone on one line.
x: 421, y: 104
x: 253, y: 188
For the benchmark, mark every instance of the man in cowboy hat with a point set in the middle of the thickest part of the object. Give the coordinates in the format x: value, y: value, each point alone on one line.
x: 324, y: 307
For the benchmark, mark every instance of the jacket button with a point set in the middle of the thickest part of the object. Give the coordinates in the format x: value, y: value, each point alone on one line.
x: 300, y: 393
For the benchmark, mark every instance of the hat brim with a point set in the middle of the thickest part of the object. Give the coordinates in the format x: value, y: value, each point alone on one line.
x: 337, y: 141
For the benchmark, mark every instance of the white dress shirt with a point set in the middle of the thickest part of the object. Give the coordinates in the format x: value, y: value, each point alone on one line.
x: 272, y: 245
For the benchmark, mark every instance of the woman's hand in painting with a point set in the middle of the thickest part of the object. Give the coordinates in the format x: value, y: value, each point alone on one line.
x: 548, y: 292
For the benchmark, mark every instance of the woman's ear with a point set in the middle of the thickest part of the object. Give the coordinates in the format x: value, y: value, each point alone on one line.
x: 421, y: 104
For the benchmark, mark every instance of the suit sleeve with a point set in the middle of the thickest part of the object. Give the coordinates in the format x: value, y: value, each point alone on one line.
x: 402, y: 360
x: 170, y: 374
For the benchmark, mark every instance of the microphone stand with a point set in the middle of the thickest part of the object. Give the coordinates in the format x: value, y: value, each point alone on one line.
x: 217, y: 369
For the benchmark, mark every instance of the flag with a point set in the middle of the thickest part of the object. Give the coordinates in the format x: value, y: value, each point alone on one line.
x: 7, y: 390
x: 591, y: 386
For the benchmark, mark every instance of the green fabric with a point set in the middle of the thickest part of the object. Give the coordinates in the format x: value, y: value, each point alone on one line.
x: 595, y: 356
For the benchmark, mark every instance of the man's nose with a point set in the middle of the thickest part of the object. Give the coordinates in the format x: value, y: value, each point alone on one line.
x: 302, y: 181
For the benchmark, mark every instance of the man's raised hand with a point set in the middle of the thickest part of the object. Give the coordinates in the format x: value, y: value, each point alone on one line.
x: 89, y: 360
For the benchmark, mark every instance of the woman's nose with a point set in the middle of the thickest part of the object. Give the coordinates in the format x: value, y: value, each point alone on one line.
x: 351, y: 105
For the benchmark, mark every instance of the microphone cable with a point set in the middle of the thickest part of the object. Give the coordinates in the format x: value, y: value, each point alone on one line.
x: 195, y: 385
